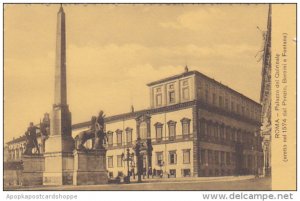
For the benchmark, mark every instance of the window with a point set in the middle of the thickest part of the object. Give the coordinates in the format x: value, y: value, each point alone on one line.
x: 185, y: 126
x: 110, y: 161
x: 222, y: 135
x: 220, y: 101
x: 232, y: 106
x: 186, y: 156
x: 216, y: 131
x: 185, y: 83
x: 202, y: 155
x: 199, y: 93
x: 202, y: 127
x: 186, y: 172
x: 159, y: 130
x: 172, y: 157
x: 172, y: 129
x: 216, y: 157
x: 185, y: 92
x: 159, y: 158
x: 158, y: 100
x: 206, y: 96
x: 228, y: 134
x: 233, y: 136
x: 110, y: 138
x: 129, y: 136
x: 233, y: 157
x: 210, y: 157
x: 173, y: 173
x: 209, y: 128
x: 226, y: 104
x: 238, y: 108
x: 172, y: 97
x: 119, y: 161
x: 222, y: 157
x: 119, y: 137
x: 143, y: 130
x: 214, y: 99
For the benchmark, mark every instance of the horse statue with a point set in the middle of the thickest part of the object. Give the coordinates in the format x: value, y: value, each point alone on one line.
x: 84, y: 136
x: 96, y: 133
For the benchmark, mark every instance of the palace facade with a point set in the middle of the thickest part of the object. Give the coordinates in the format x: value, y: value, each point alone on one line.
x: 195, y: 126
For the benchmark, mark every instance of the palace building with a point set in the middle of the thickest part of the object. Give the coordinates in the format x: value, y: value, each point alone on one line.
x: 194, y: 127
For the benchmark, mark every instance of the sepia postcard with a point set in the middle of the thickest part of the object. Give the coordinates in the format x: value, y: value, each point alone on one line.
x: 149, y: 97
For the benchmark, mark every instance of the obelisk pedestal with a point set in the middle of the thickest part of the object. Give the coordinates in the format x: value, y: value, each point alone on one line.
x: 59, y: 150
x: 90, y: 167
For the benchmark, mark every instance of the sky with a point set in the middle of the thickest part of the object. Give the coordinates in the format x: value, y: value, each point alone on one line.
x: 113, y: 51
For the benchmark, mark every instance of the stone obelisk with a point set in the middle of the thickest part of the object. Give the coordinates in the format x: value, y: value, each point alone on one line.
x: 60, y: 144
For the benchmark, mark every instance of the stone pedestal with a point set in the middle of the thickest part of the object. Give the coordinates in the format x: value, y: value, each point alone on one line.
x: 58, y: 168
x: 33, y: 167
x: 90, y: 167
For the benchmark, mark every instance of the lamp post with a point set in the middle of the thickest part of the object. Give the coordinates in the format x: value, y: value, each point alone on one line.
x: 129, y: 157
x: 137, y: 149
x: 132, y: 165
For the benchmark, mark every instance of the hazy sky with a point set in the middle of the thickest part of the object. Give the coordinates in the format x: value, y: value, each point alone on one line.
x: 113, y: 51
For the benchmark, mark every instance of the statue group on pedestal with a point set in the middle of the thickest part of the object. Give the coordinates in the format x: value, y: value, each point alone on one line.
x: 31, y: 139
x: 31, y: 135
x: 96, y: 133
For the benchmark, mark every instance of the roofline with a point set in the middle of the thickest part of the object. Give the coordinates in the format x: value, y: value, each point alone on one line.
x: 182, y: 75
x: 194, y: 72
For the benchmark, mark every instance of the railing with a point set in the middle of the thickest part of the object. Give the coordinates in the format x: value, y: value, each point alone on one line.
x: 168, y: 139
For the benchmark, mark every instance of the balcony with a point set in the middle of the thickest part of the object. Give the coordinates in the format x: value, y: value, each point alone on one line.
x: 172, y: 139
